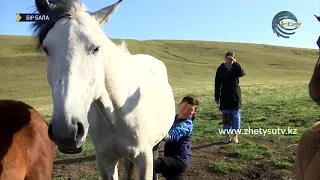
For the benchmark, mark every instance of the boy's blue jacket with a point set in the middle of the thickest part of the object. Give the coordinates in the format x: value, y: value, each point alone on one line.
x: 178, y: 139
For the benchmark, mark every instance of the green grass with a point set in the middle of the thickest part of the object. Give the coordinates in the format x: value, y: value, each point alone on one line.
x: 275, y: 90
x: 248, y: 150
x: 284, y: 165
x: 224, y: 167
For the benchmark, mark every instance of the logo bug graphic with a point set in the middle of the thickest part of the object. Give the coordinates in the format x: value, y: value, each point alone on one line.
x: 285, y: 29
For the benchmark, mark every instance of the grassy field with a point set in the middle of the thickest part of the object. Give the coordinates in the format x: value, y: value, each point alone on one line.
x: 275, y: 95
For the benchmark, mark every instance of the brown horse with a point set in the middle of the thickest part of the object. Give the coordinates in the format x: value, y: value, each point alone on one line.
x: 307, y: 160
x: 26, y: 152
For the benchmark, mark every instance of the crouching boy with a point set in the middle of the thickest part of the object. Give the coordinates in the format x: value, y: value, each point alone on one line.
x: 177, y: 152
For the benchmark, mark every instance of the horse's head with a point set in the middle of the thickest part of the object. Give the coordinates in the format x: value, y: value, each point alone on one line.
x: 314, y: 84
x: 74, y: 45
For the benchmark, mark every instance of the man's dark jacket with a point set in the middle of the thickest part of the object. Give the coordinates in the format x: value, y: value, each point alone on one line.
x: 227, y: 89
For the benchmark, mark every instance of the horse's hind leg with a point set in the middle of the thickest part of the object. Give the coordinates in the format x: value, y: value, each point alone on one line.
x: 155, y: 153
x: 144, y: 162
x: 129, y: 170
x: 108, y: 168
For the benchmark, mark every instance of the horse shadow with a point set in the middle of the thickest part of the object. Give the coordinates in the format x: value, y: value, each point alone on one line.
x: 93, y: 158
x: 76, y: 160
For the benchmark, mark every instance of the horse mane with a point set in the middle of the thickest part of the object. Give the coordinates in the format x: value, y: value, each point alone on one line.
x: 123, y: 45
x: 9, y: 109
x: 62, y: 9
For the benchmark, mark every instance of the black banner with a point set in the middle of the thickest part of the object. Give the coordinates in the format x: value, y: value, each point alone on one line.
x: 43, y: 17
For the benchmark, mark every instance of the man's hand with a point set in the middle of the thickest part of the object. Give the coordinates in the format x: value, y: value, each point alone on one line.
x: 230, y: 60
x: 233, y: 59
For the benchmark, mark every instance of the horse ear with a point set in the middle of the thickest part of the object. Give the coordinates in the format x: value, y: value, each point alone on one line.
x: 43, y: 6
x: 103, y: 15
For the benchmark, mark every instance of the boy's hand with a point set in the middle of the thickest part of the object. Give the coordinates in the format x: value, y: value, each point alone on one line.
x: 156, y: 147
x: 217, y: 101
x: 166, y: 138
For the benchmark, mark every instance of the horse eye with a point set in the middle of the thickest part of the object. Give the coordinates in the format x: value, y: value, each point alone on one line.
x: 96, y: 50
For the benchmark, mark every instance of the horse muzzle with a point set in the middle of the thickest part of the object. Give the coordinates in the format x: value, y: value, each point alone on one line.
x: 69, y: 139
x: 72, y: 150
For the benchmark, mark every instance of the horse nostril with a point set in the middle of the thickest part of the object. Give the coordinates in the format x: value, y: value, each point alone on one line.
x: 80, y: 132
x: 50, y: 133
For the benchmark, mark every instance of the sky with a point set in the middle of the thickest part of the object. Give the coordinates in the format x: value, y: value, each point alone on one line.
x: 247, y: 21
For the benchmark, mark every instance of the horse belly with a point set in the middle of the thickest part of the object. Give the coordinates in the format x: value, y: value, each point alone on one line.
x: 155, y: 115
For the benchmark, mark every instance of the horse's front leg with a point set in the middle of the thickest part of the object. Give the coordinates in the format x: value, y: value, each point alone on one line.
x: 108, y: 167
x: 144, y: 162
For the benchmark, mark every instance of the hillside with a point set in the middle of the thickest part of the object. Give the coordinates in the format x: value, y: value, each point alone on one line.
x: 198, y: 59
x: 186, y: 61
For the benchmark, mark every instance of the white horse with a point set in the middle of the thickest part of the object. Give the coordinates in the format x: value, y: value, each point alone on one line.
x: 124, y: 102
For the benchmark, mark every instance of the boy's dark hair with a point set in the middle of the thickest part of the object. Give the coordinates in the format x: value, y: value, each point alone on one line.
x: 190, y: 99
x: 230, y: 54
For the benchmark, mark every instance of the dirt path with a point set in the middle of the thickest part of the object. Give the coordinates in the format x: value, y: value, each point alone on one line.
x: 204, y: 154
